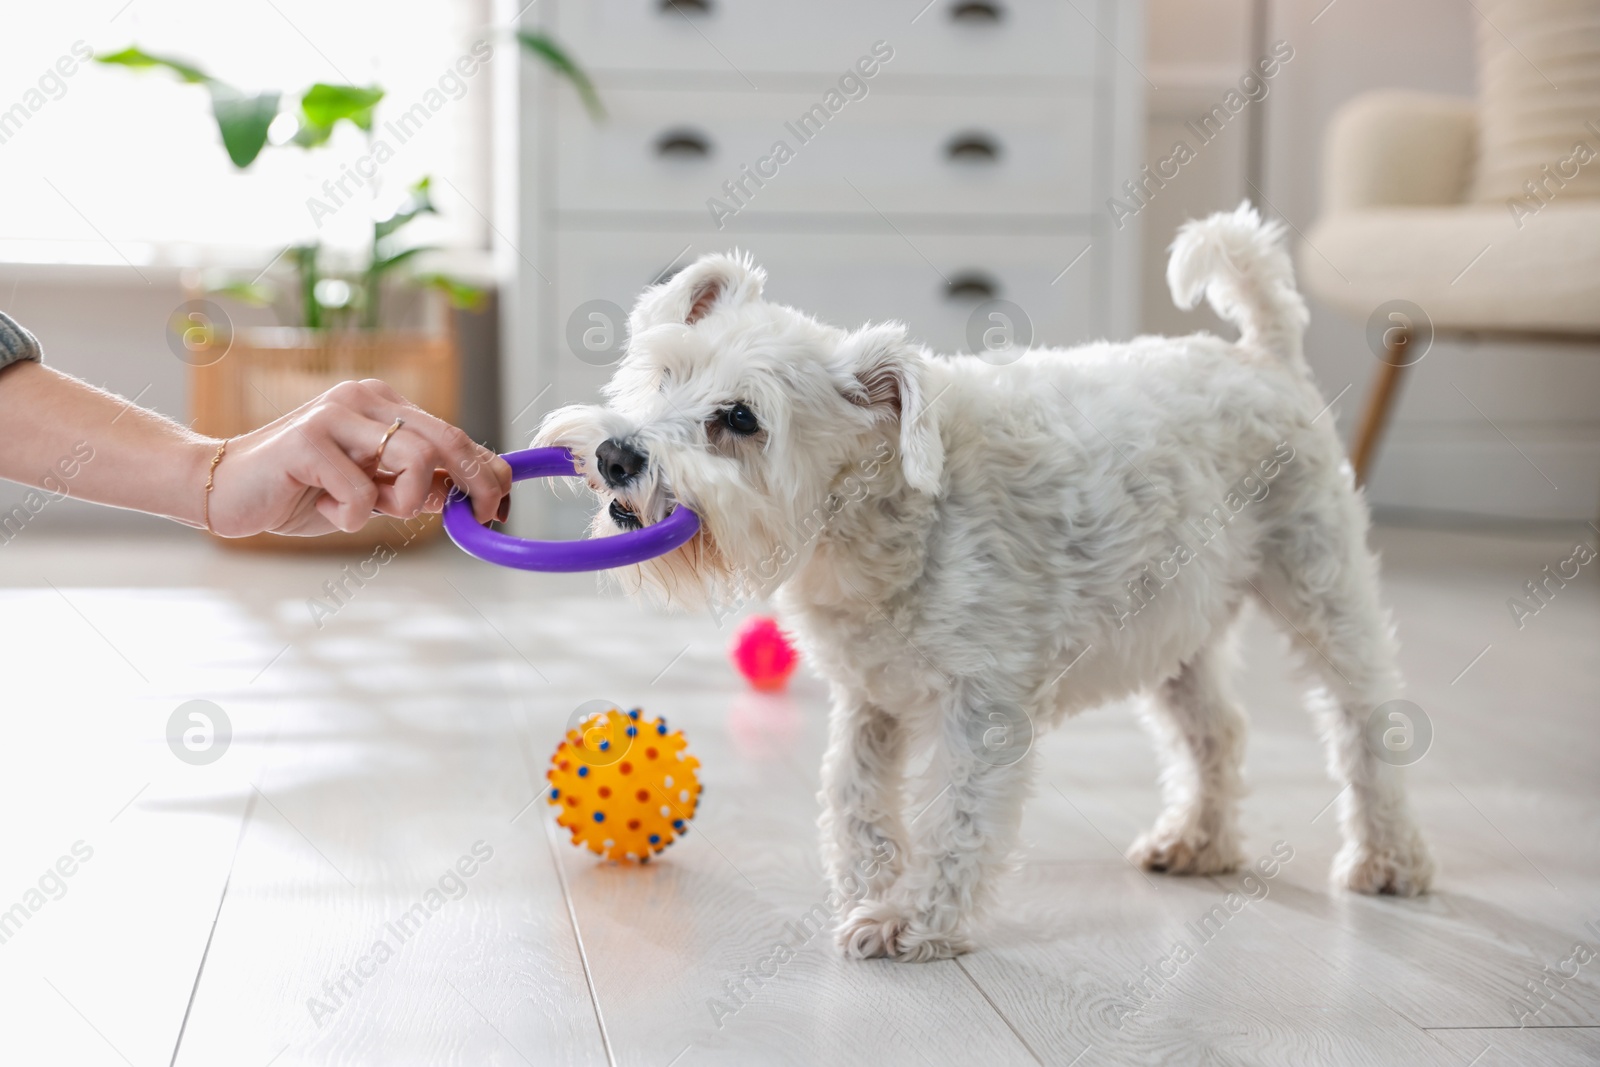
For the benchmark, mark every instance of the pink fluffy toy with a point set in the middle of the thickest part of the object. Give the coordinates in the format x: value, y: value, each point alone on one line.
x: 763, y: 654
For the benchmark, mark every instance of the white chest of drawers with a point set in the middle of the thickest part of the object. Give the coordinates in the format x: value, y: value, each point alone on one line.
x: 974, y: 163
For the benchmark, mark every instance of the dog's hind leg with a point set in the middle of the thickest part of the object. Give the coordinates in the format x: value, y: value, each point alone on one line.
x: 1200, y: 736
x: 863, y: 839
x: 1319, y: 578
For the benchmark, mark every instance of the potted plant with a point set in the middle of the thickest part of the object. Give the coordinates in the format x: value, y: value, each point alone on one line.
x: 342, y: 316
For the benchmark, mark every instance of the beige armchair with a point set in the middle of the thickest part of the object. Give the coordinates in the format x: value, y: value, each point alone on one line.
x: 1397, y: 224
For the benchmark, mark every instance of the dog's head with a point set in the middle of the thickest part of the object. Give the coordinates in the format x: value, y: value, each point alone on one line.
x: 760, y: 418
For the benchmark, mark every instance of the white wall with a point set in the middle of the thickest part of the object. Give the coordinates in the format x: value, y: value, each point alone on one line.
x: 1197, y: 51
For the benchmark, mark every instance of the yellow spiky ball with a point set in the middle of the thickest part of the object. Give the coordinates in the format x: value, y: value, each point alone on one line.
x: 625, y: 786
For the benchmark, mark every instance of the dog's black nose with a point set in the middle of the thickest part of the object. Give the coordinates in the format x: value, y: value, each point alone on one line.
x: 619, y: 461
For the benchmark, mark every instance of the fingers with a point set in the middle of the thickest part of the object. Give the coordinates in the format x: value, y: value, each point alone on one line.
x: 383, y: 389
x: 414, y: 467
x: 412, y: 481
x: 478, y: 472
x: 439, y: 492
x: 330, y: 509
x: 407, y: 459
x: 351, y: 493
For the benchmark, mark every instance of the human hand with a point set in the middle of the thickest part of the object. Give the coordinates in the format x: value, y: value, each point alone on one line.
x: 317, y: 468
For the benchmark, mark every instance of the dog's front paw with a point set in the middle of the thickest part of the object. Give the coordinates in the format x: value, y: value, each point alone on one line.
x: 1403, y: 870
x: 921, y: 945
x: 1190, y: 851
x: 875, y: 930
x: 872, y: 930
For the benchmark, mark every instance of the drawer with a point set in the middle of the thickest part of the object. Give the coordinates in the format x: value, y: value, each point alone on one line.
x: 746, y: 38
x: 844, y: 280
x: 905, y: 153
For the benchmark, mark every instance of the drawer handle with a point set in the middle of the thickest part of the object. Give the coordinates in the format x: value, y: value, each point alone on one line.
x: 971, y: 286
x: 972, y: 148
x: 683, y: 144
x: 976, y: 13
x: 686, y: 7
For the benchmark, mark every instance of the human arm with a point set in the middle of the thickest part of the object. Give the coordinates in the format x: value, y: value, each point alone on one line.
x: 312, y: 471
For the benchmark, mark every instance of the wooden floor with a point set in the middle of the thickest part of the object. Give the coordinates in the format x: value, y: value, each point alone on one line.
x: 221, y: 907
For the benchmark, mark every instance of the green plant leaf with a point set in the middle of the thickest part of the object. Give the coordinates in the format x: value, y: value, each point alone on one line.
x: 558, y: 60
x: 243, y: 119
x: 324, y: 105
x: 462, y: 294
x: 309, y: 136
x: 419, y: 201
x: 388, y: 263
x: 251, y: 293
x: 138, y: 58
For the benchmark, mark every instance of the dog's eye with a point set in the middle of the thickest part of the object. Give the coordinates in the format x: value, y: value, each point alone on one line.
x: 741, y: 420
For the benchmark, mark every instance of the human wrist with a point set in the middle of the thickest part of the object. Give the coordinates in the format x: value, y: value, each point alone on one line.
x: 191, y: 469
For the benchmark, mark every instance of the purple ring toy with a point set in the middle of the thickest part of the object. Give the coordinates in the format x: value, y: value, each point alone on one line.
x: 599, y: 554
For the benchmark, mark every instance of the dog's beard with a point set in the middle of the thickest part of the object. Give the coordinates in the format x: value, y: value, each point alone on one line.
x: 689, y: 576
x: 746, y: 546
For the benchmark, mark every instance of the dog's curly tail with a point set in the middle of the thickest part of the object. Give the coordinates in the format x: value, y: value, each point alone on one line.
x: 1241, y: 266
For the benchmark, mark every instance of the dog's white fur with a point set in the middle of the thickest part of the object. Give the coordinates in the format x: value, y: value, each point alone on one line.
x: 994, y: 560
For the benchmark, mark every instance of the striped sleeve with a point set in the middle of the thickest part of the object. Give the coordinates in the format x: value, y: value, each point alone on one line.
x: 16, y: 343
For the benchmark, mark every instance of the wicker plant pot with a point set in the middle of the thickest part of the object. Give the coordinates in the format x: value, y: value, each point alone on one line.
x: 269, y: 372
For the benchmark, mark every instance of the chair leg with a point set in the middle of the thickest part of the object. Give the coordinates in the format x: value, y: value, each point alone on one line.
x: 1380, y: 401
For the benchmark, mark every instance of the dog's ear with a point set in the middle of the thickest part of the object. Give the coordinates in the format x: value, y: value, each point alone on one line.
x: 710, y: 282
x: 888, y: 376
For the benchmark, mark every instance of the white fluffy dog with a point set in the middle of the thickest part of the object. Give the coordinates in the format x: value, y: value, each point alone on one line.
x: 970, y: 551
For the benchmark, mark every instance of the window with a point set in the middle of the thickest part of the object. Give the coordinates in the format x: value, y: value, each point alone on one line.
x: 102, y: 164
